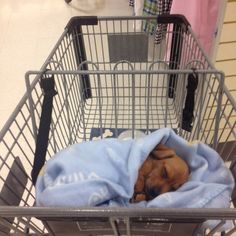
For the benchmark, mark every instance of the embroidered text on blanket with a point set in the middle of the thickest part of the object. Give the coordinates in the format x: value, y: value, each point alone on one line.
x: 69, y: 178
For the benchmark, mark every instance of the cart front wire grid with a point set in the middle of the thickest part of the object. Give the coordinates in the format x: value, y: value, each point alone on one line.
x: 103, y: 91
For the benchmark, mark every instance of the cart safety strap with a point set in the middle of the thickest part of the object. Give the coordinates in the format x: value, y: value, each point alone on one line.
x: 187, y: 117
x: 47, y: 85
x: 175, y: 58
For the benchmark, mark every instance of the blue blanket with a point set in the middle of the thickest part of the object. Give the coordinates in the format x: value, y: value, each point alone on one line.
x: 104, y: 172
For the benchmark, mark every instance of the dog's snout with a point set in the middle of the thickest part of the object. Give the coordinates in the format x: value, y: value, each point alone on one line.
x: 152, y: 192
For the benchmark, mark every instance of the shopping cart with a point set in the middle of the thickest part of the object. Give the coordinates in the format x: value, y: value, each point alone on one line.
x: 110, y: 77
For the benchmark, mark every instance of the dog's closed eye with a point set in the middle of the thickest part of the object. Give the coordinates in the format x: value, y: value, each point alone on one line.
x: 164, y: 173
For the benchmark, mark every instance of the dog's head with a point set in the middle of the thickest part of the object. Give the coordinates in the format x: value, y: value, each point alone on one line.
x: 168, y: 172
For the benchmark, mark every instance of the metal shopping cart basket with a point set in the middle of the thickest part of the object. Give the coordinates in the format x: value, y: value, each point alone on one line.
x: 110, y: 76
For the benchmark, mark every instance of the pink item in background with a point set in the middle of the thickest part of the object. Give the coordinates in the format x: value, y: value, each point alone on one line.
x: 202, y: 15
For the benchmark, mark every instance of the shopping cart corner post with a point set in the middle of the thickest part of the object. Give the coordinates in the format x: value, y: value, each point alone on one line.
x: 221, y: 78
x: 74, y: 28
x: 180, y: 26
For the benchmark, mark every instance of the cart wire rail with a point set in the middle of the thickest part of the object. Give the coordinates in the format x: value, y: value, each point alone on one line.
x: 107, y: 83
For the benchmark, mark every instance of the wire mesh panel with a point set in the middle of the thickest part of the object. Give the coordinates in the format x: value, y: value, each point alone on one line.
x: 17, y: 148
x: 105, y: 44
x: 109, y: 78
x: 125, y: 101
x: 109, y: 40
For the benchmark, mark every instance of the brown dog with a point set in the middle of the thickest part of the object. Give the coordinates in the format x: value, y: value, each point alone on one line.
x: 161, y: 172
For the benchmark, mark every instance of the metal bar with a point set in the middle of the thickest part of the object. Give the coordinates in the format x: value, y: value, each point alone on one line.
x: 114, y: 226
x: 30, y: 100
x: 217, y: 118
x: 165, y: 213
x: 82, y: 110
x: 229, y: 134
x: 3, y: 233
x: 128, y: 228
x: 116, y: 18
x: 67, y: 92
x: 227, y: 118
x: 76, y: 111
x: 175, y: 57
x: 64, y: 81
x: 182, y: 102
x: 5, y: 223
x: 29, y: 193
x: 210, y: 105
x: 49, y: 229
x: 62, y: 122
x: 100, y: 105
x: 148, y: 102
x: 201, y: 105
x: 71, y: 52
x: 80, y: 53
x: 107, y: 72
x: 67, y: 53
x: 30, y: 226
x: 230, y: 232
x: 115, y: 106
x: 229, y: 158
x: 133, y: 105
x: 71, y: 109
x: 13, y: 145
x: 66, y: 98
x: 216, y: 228
x: 103, y: 57
x: 22, y: 129
x: 197, y: 229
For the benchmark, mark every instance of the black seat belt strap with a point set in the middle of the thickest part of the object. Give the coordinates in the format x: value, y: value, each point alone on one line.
x: 47, y: 85
x: 188, y: 110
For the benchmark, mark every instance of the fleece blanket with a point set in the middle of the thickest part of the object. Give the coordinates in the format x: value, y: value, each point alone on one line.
x: 104, y: 172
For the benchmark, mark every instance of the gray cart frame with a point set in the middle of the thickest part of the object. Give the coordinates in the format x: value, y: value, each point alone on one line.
x: 102, y: 87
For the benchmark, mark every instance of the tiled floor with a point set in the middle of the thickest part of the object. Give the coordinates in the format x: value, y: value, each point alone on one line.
x: 28, y: 31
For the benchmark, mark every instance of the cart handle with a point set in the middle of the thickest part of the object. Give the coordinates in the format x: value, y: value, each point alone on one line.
x: 173, y: 19
x: 77, y: 21
x: 81, y: 20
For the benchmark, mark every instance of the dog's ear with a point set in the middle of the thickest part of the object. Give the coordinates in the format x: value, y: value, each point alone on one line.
x: 162, y: 152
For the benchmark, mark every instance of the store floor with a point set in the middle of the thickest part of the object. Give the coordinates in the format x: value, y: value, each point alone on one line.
x: 29, y: 30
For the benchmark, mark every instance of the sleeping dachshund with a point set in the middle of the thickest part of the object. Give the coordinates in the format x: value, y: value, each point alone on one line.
x: 161, y: 172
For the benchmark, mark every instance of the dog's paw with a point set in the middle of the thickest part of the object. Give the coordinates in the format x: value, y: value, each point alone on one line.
x: 138, y: 198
